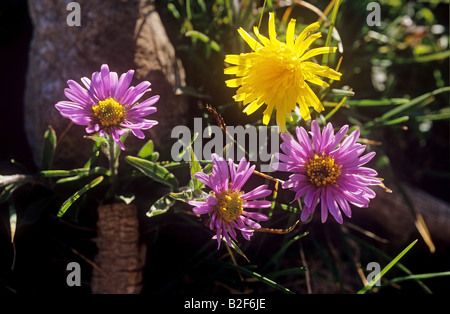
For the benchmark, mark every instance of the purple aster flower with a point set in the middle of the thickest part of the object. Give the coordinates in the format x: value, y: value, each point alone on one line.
x: 227, y: 204
x: 326, y: 169
x: 108, y: 104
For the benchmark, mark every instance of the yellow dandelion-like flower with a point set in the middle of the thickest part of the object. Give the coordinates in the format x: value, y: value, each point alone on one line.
x: 276, y: 73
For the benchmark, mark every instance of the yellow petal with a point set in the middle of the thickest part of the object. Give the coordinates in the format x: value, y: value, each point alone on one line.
x: 315, y: 80
x: 313, y: 99
x: 264, y: 40
x: 272, y: 32
x: 281, y: 120
x: 253, y: 106
x: 317, y: 51
x: 238, y: 70
x: 320, y: 70
x: 236, y: 82
x: 304, y: 33
x: 239, y: 97
x: 268, y: 113
x: 290, y: 34
x: 300, y: 50
x: 304, y: 109
x: 234, y: 59
x: 249, y: 40
x: 231, y: 70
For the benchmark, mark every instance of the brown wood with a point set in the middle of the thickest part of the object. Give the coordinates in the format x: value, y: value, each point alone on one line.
x: 121, y: 256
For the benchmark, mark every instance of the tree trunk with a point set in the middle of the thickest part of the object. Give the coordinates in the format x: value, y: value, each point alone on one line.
x: 121, y: 256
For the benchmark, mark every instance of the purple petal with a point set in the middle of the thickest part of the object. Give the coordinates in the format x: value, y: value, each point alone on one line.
x: 203, y: 178
x: 123, y: 84
x: 134, y: 94
x: 113, y: 79
x: 259, y: 192
x: 255, y: 215
x: 257, y: 204
x: 105, y: 78
x: 200, y: 210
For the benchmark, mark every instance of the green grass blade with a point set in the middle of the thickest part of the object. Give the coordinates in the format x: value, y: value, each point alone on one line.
x: 413, y: 102
x: 376, y: 102
x: 386, y: 269
x: 330, y: 30
x: 77, y: 195
x: 253, y: 274
x: 415, y: 277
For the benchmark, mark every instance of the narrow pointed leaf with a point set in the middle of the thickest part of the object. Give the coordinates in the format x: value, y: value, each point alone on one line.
x: 154, y: 171
x: 386, y: 269
x: 49, y: 148
x: 195, y: 167
x: 77, y: 195
x: 161, y: 206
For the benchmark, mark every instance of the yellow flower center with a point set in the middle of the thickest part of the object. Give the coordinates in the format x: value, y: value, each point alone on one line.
x: 277, y: 70
x: 109, y: 112
x: 229, y: 205
x: 322, y: 170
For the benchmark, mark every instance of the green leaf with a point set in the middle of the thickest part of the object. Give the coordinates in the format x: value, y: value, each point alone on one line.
x: 235, y: 247
x: 127, y: 199
x: 413, y: 102
x: 253, y: 274
x: 154, y: 171
x: 204, y: 38
x: 376, y: 102
x: 78, y: 176
x: 146, y: 152
x: 189, y: 195
x: 97, y: 139
x: 386, y: 269
x: 195, y: 167
x: 161, y: 206
x: 95, y: 154
x: 49, y: 148
x: 173, y: 9
x: 287, y: 272
x: 63, y: 173
x: 396, y: 120
x: 416, y: 277
x: 77, y: 195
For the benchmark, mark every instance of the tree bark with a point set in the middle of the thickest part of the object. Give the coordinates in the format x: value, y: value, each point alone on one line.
x: 125, y: 34
x: 121, y: 256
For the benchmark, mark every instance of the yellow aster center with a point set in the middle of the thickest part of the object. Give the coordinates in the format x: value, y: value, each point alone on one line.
x: 229, y: 206
x: 109, y: 112
x: 322, y: 170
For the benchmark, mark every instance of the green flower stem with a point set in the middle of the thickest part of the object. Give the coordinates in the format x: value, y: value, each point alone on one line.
x: 113, y: 163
